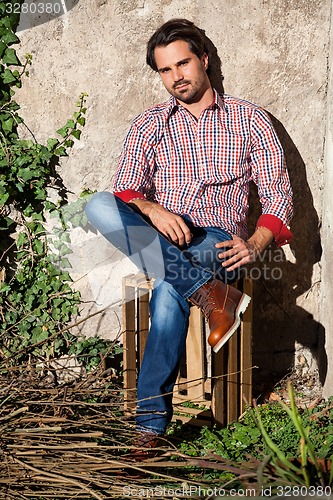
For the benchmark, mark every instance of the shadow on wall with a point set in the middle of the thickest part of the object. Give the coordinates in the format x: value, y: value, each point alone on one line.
x: 278, y: 321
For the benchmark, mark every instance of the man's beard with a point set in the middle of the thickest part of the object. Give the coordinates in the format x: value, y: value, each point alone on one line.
x: 186, y: 95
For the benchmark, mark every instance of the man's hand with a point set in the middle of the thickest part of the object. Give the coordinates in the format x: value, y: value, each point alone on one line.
x: 240, y: 252
x: 170, y: 225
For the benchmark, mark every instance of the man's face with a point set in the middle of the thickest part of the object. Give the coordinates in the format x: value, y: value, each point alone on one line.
x: 183, y: 73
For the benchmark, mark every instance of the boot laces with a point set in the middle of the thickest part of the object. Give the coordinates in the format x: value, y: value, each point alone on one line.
x: 206, y: 302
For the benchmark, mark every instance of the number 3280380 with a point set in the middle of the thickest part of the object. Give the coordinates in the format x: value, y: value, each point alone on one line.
x: 34, y: 8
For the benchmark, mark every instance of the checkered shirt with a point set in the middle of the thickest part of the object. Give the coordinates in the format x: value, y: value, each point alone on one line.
x: 202, y: 168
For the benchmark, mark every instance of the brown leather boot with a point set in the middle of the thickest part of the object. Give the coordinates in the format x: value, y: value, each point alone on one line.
x: 222, y: 305
x: 143, y: 446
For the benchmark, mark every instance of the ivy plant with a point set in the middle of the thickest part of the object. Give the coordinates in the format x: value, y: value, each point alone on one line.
x: 36, y: 298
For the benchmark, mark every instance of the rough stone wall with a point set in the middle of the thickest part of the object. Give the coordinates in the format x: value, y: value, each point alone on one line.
x: 326, y: 311
x: 274, y: 53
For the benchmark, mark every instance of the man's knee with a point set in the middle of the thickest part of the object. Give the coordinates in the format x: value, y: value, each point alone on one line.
x: 98, y: 202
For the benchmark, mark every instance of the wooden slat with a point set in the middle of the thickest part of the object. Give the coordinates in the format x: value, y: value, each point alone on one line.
x: 234, y: 360
x: 192, y: 411
x: 129, y: 346
x: 180, y: 387
x: 219, y: 386
x: 246, y: 350
x: 195, y: 356
x: 143, y: 322
x: 233, y: 378
x: 199, y: 419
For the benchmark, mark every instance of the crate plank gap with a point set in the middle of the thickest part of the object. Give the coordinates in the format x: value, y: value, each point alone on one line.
x: 222, y: 381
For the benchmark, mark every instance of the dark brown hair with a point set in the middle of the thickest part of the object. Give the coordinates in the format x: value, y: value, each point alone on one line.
x: 173, y: 30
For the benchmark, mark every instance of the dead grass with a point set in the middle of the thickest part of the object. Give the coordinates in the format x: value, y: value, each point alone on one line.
x: 70, y: 441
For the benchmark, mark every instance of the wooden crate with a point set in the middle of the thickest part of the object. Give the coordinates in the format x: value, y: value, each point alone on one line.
x: 221, y: 381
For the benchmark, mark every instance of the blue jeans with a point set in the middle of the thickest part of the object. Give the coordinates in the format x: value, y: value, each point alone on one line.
x: 179, y: 272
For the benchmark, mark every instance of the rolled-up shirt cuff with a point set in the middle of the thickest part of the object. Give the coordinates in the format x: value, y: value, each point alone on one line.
x: 282, y: 235
x: 129, y: 194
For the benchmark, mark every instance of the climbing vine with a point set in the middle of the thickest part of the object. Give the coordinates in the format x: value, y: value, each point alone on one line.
x: 36, y: 298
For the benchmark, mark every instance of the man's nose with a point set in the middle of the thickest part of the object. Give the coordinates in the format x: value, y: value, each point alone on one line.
x: 177, y: 75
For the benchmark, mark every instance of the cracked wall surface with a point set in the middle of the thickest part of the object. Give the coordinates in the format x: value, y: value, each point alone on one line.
x: 274, y: 53
x: 326, y: 301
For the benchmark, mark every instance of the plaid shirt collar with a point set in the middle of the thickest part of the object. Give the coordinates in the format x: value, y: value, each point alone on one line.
x: 218, y: 102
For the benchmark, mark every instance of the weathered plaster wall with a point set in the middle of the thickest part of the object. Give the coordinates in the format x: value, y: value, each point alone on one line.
x: 326, y: 309
x: 273, y: 52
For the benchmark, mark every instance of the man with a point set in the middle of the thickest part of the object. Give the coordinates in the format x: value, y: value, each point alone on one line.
x: 181, y: 189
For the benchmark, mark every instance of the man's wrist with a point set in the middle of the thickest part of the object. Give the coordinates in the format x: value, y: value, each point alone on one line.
x: 281, y: 232
x: 143, y: 205
x: 260, y: 239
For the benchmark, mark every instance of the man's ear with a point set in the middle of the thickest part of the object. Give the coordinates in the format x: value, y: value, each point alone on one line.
x: 205, y: 60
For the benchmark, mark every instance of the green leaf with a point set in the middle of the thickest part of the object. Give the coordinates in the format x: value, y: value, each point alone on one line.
x: 8, y: 76
x: 56, y: 314
x: 61, y: 151
x: 40, y: 193
x: 51, y: 143
x: 9, y: 37
x: 70, y: 124
x: 66, y: 264
x: 6, y: 22
x: 3, y: 199
x: 21, y: 240
x: 38, y: 216
x: 28, y: 211
x: 62, y: 131
x: 76, y: 133
x: 7, y: 125
x: 50, y: 206
x: 3, y: 47
x: 39, y: 247
x: 26, y: 174
x: 4, y: 288
x: 10, y: 58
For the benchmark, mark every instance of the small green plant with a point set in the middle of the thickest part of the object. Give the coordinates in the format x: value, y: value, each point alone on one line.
x: 92, y: 350
x: 305, y: 468
x: 274, y: 444
x: 36, y: 299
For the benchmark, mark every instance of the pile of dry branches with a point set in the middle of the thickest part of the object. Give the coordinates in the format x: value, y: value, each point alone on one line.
x: 71, y: 442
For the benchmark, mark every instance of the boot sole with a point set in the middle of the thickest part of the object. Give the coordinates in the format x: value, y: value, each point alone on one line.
x: 241, y: 308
